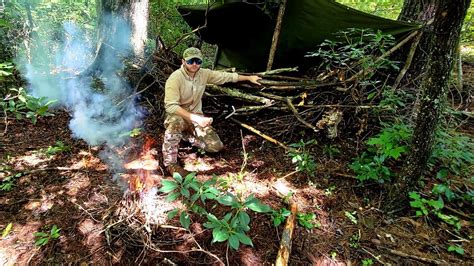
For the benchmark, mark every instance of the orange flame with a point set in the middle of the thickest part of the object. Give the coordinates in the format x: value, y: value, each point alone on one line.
x: 142, y: 179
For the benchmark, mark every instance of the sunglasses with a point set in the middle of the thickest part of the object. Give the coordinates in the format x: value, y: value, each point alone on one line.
x: 194, y: 60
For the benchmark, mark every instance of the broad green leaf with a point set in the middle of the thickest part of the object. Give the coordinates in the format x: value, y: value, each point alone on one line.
x: 168, y: 186
x: 189, y: 178
x: 219, y: 235
x: 437, y: 204
x: 184, y: 220
x: 195, y: 197
x: 443, y: 173
x: 234, y: 242
x: 227, y: 217
x: 416, y: 204
x: 244, y: 218
x: 439, y: 189
x: 414, y: 195
x: 277, y: 221
x: 257, y: 206
x: 210, y: 225
x: 195, y: 185
x: 40, y: 234
x: 22, y: 98
x: 172, y: 213
x: 55, y: 231
x: 228, y: 200
x: 244, y: 239
x: 456, y: 249
x: 42, y: 241
x: 285, y: 212
x: 185, y: 192
x: 178, y: 177
x: 172, y: 196
x: 211, y: 217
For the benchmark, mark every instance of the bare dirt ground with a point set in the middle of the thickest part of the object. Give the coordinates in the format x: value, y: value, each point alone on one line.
x: 76, y: 191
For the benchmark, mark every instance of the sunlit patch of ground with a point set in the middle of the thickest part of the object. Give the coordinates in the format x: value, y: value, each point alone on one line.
x: 17, y: 245
x: 32, y: 159
x: 467, y: 53
x: 88, y: 160
x: 93, y: 238
x: 45, y: 198
x: 79, y: 182
x: 195, y: 163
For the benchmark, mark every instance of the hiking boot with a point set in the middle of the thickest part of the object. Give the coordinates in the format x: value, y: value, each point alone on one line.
x: 176, y: 168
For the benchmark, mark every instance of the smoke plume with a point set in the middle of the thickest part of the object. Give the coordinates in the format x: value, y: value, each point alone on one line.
x: 100, y: 102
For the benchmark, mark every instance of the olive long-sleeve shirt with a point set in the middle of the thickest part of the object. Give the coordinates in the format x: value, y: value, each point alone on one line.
x: 186, y: 92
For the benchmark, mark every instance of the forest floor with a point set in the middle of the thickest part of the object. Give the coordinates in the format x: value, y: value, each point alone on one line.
x: 75, y: 191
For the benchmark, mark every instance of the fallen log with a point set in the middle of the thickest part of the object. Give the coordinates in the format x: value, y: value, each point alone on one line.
x: 284, y: 252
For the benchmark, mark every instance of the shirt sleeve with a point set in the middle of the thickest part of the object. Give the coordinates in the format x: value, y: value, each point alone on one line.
x: 172, y: 94
x: 219, y: 77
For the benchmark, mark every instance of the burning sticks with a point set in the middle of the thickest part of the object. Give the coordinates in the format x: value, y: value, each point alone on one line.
x: 142, y: 168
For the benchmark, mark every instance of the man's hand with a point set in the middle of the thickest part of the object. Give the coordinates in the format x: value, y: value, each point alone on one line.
x: 200, y: 120
x: 254, y: 79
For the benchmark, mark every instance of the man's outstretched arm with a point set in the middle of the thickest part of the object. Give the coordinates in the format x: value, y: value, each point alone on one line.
x: 253, y: 79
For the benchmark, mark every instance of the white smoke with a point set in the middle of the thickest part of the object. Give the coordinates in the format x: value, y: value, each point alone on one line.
x: 99, y: 116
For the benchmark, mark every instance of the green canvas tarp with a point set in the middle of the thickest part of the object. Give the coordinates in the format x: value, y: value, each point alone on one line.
x: 243, y: 31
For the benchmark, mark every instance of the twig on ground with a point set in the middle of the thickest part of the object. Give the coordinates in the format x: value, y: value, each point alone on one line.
x: 375, y: 257
x: 469, y: 218
x: 86, y: 211
x: 418, y: 258
x: 297, y: 115
x: 290, y: 174
x: 272, y: 140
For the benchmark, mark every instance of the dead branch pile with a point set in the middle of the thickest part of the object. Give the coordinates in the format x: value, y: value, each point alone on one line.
x: 287, y: 102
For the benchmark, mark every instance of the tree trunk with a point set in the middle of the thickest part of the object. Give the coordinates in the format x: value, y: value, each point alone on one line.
x: 439, y: 47
x: 139, y: 20
x: 122, y: 31
x: 134, y: 13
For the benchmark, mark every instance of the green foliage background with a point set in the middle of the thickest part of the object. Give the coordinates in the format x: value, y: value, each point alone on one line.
x: 391, y: 9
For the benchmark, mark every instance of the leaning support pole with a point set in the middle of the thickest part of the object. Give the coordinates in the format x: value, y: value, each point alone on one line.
x: 408, y: 61
x: 276, y: 34
x: 386, y: 54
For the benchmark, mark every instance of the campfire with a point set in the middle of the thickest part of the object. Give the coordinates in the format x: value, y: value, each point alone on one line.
x: 142, y: 170
x: 141, y: 203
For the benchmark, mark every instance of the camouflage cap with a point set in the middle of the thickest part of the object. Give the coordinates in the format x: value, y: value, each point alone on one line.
x: 192, y: 52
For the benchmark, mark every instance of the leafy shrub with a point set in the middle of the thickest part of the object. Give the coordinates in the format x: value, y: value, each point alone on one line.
x: 193, y: 193
x: 58, y: 147
x: 453, y: 151
x: 23, y: 105
x: 354, y: 50
x: 279, y: 216
x: 302, y: 158
x: 8, y: 182
x: 43, y: 238
x: 307, y: 220
x: 424, y: 207
x: 389, y: 144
